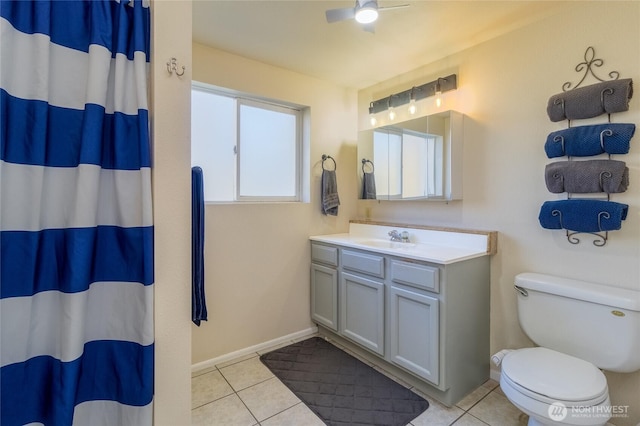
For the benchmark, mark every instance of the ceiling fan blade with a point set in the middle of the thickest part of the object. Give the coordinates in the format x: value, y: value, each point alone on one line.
x: 370, y: 28
x: 335, y: 15
x: 400, y: 6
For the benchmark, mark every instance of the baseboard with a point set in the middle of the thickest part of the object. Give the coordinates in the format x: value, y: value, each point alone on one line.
x: 289, y: 338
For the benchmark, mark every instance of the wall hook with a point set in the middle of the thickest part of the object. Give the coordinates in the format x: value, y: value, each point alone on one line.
x: 172, y: 66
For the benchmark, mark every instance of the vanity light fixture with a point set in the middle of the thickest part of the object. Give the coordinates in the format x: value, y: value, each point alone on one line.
x: 372, y: 115
x: 411, y: 96
x: 439, y: 92
x: 438, y: 86
x: 392, y: 113
x: 412, y: 102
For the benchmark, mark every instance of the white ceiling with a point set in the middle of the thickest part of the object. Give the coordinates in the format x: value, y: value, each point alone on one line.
x: 294, y: 34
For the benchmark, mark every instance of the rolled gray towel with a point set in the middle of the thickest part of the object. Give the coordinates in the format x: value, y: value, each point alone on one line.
x: 591, y: 176
x: 591, y: 101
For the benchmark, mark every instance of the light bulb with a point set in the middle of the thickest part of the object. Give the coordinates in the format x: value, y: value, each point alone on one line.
x: 367, y: 14
x: 412, y: 107
x: 439, y: 92
x: 392, y: 114
x: 372, y: 115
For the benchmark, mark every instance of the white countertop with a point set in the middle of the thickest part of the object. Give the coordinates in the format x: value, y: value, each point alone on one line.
x: 443, y: 247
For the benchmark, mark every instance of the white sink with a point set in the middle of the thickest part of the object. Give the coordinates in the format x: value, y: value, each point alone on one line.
x: 385, y: 244
x: 439, y: 246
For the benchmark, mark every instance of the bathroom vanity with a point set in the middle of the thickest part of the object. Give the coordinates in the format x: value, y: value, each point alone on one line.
x: 418, y: 308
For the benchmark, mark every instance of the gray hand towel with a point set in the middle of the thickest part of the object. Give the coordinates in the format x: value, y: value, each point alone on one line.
x: 329, y: 193
x: 368, y: 186
x: 591, y: 176
x: 591, y: 101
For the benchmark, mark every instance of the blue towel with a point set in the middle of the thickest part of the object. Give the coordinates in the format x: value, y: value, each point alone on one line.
x: 582, y: 215
x: 585, y: 141
x: 198, y: 301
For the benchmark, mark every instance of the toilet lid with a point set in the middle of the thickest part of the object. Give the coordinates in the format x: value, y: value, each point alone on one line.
x: 555, y: 375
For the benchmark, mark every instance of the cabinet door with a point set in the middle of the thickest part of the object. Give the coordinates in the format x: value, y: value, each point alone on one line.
x: 414, y: 332
x: 324, y: 296
x: 362, y: 311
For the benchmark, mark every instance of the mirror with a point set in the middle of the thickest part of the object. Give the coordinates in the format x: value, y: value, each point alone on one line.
x: 413, y: 160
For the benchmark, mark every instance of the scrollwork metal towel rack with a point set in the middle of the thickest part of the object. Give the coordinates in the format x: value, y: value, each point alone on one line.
x: 586, y: 100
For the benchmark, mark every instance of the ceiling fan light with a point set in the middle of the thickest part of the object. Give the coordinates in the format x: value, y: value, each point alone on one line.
x: 367, y: 14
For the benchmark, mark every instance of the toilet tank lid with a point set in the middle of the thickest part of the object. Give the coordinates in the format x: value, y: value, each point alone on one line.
x: 581, y: 290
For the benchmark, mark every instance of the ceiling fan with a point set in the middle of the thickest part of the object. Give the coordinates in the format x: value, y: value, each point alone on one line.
x: 364, y: 12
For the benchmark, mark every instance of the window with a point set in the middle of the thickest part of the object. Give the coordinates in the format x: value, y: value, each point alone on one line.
x: 249, y: 149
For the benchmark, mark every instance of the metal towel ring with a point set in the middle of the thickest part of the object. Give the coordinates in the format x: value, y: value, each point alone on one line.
x: 364, y: 163
x: 325, y: 157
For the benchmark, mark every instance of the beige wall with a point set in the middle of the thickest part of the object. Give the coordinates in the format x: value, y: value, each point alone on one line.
x: 171, y: 128
x: 504, y: 85
x: 257, y: 255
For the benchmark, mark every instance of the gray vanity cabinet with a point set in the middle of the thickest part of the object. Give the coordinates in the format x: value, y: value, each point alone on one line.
x: 414, y: 332
x: 426, y: 322
x: 324, y: 285
x: 362, y: 311
x: 361, y: 301
x: 414, y: 321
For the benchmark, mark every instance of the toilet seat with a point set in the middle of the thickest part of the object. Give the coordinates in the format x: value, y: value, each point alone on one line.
x: 539, y: 411
x: 549, y: 376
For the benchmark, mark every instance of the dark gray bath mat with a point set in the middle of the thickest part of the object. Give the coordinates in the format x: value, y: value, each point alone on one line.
x: 340, y: 389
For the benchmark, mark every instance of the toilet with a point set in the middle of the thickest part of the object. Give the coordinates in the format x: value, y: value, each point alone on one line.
x: 580, y: 328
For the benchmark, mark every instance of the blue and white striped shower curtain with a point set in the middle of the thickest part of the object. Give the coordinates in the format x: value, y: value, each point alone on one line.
x: 76, y: 231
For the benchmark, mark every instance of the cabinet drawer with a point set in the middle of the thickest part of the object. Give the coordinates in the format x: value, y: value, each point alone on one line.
x: 324, y: 254
x: 416, y: 275
x: 363, y: 262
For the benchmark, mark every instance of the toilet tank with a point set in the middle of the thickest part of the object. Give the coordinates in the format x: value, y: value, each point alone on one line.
x: 594, y: 322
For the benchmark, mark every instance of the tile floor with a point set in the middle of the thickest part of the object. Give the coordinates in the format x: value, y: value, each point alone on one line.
x: 243, y: 392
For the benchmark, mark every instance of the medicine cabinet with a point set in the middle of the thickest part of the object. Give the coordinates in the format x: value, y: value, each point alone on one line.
x: 416, y: 159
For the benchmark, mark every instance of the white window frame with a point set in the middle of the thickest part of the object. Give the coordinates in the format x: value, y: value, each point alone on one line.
x: 281, y: 108
x: 300, y: 113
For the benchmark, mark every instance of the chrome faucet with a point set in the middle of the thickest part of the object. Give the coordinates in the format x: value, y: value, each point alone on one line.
x: 401, y: 237
x: 395, y: 236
